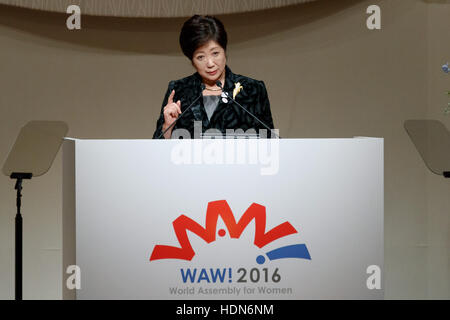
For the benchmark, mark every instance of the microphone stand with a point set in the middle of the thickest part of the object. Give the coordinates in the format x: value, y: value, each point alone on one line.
x: 219, y: 84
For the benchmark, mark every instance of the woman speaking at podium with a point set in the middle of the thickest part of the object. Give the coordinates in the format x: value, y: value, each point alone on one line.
x: 210, y: 98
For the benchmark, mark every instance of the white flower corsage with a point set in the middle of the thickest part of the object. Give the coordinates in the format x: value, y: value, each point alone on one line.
x: 237, y: 88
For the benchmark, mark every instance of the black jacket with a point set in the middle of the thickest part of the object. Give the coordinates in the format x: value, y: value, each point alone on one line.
x: 253, y: 97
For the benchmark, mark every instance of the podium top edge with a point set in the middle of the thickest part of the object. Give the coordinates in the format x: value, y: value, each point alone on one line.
x: 148, y: 139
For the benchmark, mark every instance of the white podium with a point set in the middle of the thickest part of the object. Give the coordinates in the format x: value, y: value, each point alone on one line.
x: 224, y: 219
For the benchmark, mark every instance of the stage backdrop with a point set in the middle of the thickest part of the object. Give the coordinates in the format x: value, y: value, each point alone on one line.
x: 200, y: 219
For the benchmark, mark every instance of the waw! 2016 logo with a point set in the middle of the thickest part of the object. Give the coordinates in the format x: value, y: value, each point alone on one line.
x: 208, y: 233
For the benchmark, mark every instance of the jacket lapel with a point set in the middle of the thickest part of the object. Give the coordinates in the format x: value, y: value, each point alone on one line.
x: 230, y: 80
x: 198, y: 106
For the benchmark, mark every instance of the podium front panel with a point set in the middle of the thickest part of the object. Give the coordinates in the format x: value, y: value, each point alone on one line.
x: 230, y: 219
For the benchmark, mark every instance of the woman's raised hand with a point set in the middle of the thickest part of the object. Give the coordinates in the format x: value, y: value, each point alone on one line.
x: 171, y: 112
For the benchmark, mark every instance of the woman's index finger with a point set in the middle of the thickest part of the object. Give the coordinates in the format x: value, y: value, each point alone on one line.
x: 171, y: 97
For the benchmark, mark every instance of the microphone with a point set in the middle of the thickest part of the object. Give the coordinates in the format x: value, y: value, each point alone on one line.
x: 202, y: 86
x: 219, y: 84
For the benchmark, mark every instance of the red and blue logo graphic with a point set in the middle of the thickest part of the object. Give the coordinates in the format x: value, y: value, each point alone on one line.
x: 208, y: 233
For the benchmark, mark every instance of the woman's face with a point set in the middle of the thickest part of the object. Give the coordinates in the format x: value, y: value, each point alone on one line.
x: 210, y: 61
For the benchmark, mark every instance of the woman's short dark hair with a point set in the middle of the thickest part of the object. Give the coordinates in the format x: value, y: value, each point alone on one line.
x: 198, y: 30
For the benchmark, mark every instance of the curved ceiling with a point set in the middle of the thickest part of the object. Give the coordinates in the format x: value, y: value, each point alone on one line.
x: 153, y: 8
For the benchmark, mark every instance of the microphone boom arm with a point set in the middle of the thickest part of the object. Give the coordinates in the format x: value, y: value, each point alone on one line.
x: 219, y: 84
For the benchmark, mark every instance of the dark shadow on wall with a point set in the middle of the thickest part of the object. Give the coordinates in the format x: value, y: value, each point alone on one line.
x: 160, y: 35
